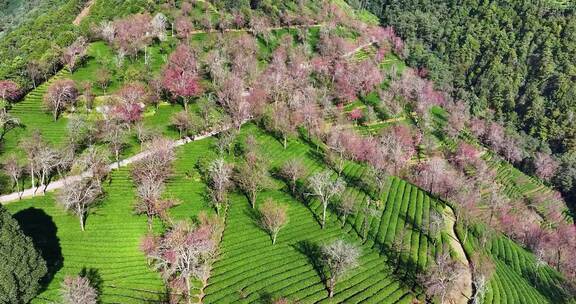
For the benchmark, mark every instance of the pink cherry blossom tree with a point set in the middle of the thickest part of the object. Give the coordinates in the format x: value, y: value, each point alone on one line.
x: 180, y: 77
x: 545, y: 166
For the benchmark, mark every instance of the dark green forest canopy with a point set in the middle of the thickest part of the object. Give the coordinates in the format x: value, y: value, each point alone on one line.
x: 514, y: 57
x: 22, y: 266
x: 16, y: 12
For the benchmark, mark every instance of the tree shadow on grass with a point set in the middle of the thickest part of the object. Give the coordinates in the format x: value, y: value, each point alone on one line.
x: 40, y: 227
x: 314, y: 254
x: 94, y: 277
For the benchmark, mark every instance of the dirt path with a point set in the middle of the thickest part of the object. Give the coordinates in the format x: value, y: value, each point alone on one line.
x: 249, y: 30
x: 85, y: 11
x: 360, y: 47
x: 463, y: 290
x: 31, y: 192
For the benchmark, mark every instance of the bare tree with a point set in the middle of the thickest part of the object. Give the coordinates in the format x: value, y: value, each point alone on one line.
x: 369, y: 212
x: 60, y: 95
x: 252, y: 176
x: 345, y: 207
x: 14, y: 169
x: 225, y: 141
x: 73, y: 54
x: 145, y: 134
x: 151, y: 203
x: 157, y: 165
x: 220, y: 174
x: 48, y: 160
x: 433, y: 225
x: 182, y: 121
x: 107, y: 31
x: 185, y: 253
x: 378, y: 177
x: 339, y: 257
x: 482, y: 270
x: 7, y: 123
x: 439, y: 279
x: 79, y: 196
x: 325, y: 188
x: 116, y: 136
x: 66, y: 156
x: 292, y: 170
x: 281, y: 124
x: 273, y: 217
x: 103, y: 78
x: 32, y: 146
x: 496, y: 200
x: 260, y: 27
x: 77, y: 290
x: 335, y: 142
x: 95, y: 160
x: 159, y: 25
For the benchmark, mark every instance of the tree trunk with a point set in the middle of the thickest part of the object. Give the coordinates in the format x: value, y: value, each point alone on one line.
x: 32, y: 176
x: 82, y: 222
x: 331, y: 284
x: 188, y: 290
x: 274, y: 235
x: 43, y: 179
x: 285, y: 143
x: 253, y: 199
x: 325, y: 205
x: 20, y: 193
x: 149, y: 219
x: 365, y: 228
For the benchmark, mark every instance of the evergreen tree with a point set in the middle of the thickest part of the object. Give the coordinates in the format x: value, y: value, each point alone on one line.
x: 22, y: 266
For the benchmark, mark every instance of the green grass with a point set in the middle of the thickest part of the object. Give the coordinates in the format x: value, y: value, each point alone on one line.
x: 32, y: 116
x: 109, y: 245
x: 113, y: 233
x: 251, y: 269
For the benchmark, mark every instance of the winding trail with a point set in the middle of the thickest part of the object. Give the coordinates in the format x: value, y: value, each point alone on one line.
x: 357, y: 49
x: 58, y: 184
x: 462, y: 292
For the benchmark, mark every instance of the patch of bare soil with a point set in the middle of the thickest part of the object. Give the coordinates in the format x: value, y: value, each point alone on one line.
x: 85, y: 11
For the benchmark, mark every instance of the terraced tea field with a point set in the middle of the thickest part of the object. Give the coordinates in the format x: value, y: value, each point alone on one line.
x: 518, y: 277
x: 250, y: 268
x: 108, y: 247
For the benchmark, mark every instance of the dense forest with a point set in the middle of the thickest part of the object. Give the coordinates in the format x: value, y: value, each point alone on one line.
x: 511, y: 61
x: 15, y: 12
